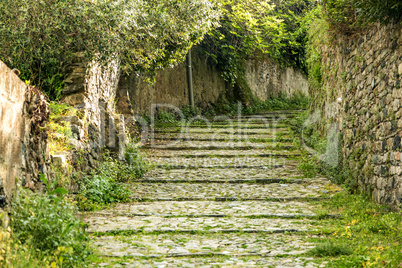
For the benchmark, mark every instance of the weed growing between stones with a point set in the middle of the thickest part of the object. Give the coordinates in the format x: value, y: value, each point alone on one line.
x: 45, y: 233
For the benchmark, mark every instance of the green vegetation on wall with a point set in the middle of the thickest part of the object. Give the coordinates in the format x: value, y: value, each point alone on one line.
x: 254, y: 29
x: 349, y: 16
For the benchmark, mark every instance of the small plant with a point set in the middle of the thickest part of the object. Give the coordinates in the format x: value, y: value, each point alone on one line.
x: 61, y: 109
x: 331, y: 249
x: 105, y: 186
x: 98, y: 190
x: 190, y: 112
x: 309, y: 167
x: 47, y: 223
x: 166, y: 117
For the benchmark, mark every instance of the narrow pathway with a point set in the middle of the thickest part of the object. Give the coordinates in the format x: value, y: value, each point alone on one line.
x: 219, y: 196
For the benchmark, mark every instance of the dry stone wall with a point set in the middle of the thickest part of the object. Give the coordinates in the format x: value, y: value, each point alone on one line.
x: 171, y: 87
x: 267, y: 78
x: 91, y: 89
x: 364, y: 74
x: 24, y: 150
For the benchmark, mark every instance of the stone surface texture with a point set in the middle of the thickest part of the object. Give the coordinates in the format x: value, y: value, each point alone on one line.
x: 192, y: 211
x: 363, y: 78
x: 23, y: 146
x: 265, y: 78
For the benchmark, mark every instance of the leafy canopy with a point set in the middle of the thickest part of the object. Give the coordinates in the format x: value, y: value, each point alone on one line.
x: 255, y: 27
x: 349, y: 16
x: 39, y: 37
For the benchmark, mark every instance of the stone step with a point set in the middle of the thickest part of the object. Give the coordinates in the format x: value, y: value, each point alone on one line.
x: 279, y: 112
x: 220, y: 162
x: 252, y: 209
x: 224, y: 154
x: 261, y: 120
x: 227, y: 191
x: 223, y: 146
x: 223, y: 175
x: 216, y: 261
x: 232, y: 199
x: 220, y: 137
x: 233, y: 125
x: 267, y: 131
x: 228, y: 166
x: 213, y: 139
x: 152, y: 224
x: 181, y: 245
x: 220, y: 181
x: 226, y: 143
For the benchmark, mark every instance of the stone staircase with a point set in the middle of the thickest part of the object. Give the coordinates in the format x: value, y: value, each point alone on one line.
x: 216, y: 198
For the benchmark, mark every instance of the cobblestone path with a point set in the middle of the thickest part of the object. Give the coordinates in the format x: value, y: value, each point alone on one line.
x: 228, y: 195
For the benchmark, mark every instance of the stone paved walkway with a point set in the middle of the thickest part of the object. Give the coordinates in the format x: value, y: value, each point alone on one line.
x: 218, y: 197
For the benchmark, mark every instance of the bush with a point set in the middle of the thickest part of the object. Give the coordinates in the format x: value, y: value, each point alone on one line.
x: 376, y: 10
x: 105, y: 186
x: 281, y: 102
x: 48, y: 224
x: 99, y: 190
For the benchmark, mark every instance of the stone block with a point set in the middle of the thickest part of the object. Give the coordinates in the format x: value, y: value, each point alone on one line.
x: 60, y: 159
x: 75, y: 99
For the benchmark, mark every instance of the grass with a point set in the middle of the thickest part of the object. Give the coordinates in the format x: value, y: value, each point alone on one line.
x: 329, y: 248
x: 366, y: 235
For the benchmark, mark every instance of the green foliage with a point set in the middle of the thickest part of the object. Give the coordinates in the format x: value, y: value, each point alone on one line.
x: 59, y: 132
x: 61, y: 109
x: 137, y: 164
x: 376, y: 10
x: 190, y: 112
x: 99, y: 190
x: 251, y: 28
x: 349, y: 16
x: 105, y: 186
x: 47, y: 223
x: 281, y: 102
x: 341, y: 16
x: 316, y: 27
x: 329, y: 248
x: 40, y: 37
x: 166, y: 117
x: 309, y: 166
x: 368, y: 233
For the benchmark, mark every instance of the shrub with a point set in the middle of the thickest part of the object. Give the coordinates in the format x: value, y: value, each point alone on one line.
x: 105, y: 186
x: 98, y: 190
x: 48, y: 224
x: 376, y: 10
